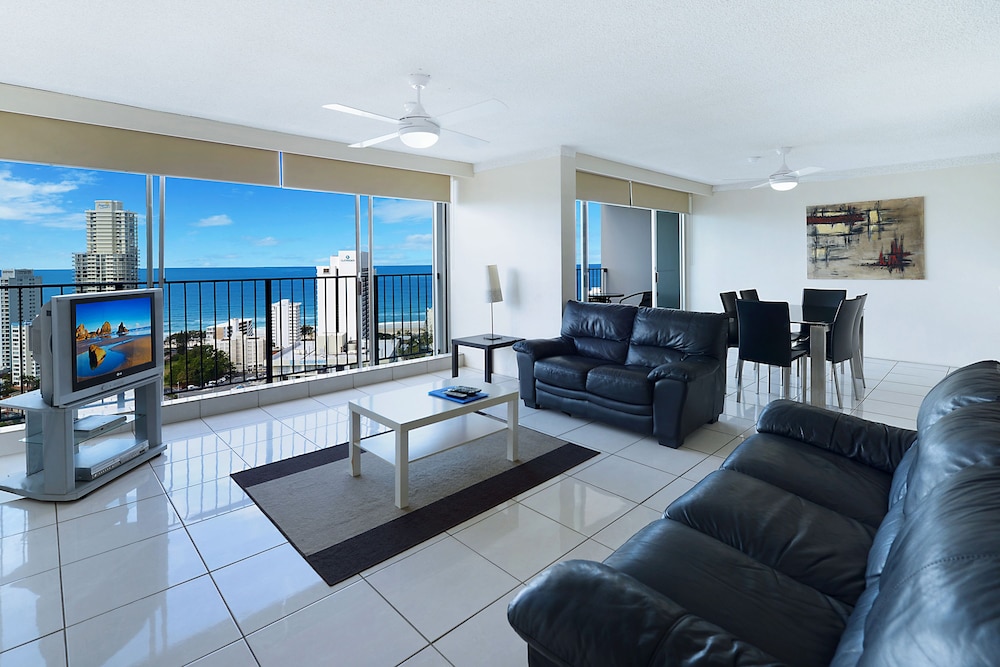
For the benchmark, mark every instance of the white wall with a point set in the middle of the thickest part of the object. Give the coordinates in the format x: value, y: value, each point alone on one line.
x: 626, y: 248
x: 520, y: 218
x: 756, y: 238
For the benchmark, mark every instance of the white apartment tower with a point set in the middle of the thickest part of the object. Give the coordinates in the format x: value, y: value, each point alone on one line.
x: 20, y: 301
x: 338, y: 287
x: 286, y: 323
x: 112, y: 254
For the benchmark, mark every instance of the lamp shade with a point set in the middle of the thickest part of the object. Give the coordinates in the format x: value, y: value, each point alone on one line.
x: 493, y: 293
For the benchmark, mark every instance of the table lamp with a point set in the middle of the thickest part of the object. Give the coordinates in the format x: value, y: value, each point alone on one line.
x: 493, y: 295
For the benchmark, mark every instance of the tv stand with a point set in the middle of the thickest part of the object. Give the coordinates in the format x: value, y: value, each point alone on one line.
x: 58, y: 468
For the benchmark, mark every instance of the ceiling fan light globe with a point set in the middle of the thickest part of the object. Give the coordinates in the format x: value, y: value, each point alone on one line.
x: 783, y: 182
x: 418, y: 132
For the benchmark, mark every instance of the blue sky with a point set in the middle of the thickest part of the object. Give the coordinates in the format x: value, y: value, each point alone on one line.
x: 207, y: 223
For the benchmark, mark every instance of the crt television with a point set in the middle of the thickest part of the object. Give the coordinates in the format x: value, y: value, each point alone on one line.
x: 92, y: 344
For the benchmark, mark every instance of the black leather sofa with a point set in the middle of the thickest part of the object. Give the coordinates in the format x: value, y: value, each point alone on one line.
x: 653, y: 370
x: 824, y: 539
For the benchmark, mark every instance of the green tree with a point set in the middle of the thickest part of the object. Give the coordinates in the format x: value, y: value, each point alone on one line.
x: 181, y: 339
x: 198, y: 365
x: 307, y: 331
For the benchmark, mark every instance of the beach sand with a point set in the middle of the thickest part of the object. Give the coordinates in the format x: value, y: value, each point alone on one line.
x: 137, y: 350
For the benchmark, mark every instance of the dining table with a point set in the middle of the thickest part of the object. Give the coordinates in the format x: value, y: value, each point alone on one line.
x: 819, y: 319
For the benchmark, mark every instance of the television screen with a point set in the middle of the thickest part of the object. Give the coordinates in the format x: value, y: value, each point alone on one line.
x: 112, y: 338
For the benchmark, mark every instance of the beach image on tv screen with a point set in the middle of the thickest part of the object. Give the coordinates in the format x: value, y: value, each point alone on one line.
x: 113, y: 337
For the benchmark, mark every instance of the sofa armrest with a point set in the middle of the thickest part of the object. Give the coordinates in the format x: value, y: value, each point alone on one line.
x: 540, y: 348
x: 687, y: 370
x: 875, y: 444
x: 580, y: 613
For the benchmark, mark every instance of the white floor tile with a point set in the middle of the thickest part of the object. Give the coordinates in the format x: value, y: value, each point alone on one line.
x: 227, y: 538
x: 582, y: 507
x: 520, y: 540
x: 622, y: 529
x: 429, y: 657
x: 111, y: 579
x: 174, y: 627
x: 707, y: 441
x: 190, y: 447
x: 625, y: 478
x: 237, y: 419
x: 29, y: 553
x: 296, y: 407
x: 18, y: 515
x: 275, y: 449
x: 49, y: 651
x: 669, y: 494
x: 441, y: 586
x: 204, y: 501
x: 109, y: 529
x: 589, y: 550
x: 485, y: 640
x: 200, y: 469
x: 550, y: 422
x: 354, y: 626
x: 236, y: 654
x: 185, y: 429
x: 263, y: 588
x: 137, y: 484
x: 30, y: 608
x: 698, y: 472
x: 602, y: 437
x: 651, y: 453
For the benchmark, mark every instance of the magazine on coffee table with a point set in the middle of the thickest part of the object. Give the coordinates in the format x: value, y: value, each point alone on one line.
x: 459, y: 393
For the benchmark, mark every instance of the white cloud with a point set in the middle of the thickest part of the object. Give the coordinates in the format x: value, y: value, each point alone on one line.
x: 266, y: 241
x: 418, y: 240
x: 31, y: 202
x: 392, y: 211
x: 214, y: 221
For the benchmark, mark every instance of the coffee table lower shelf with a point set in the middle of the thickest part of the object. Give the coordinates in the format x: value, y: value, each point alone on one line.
x: 434, y: 438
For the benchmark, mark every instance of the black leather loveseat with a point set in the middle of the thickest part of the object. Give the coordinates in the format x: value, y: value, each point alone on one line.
x: 824, y: 539
x: 653, y: 370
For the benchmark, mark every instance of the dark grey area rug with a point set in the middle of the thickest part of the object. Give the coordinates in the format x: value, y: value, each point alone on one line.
x: 343, y: 525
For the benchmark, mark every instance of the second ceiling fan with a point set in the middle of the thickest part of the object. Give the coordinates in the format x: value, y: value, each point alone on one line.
x: 417, y: 128
x: 786, y: 179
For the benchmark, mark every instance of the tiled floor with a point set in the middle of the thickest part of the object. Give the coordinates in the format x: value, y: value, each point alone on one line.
x: 172, y: 564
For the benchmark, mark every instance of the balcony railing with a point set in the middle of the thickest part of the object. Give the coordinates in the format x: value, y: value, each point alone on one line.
x: 231, y: 333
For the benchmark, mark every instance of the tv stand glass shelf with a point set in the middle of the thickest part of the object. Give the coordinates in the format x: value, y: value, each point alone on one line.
x: 67, y: 458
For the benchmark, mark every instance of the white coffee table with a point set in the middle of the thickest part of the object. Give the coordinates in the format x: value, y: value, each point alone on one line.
x: 423, y: 425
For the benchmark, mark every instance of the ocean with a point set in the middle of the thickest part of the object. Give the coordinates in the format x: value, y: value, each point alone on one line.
x: 197, y: 297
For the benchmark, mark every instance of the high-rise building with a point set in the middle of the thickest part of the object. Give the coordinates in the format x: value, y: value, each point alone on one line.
x: 286, y: 323
x: 238, y: 338
x: 338, y: 287
x: 20, y: 301
x: 112, y: 254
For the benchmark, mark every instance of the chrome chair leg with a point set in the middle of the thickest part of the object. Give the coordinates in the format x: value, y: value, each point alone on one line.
x: 739, y: 380
x: 836, y: 385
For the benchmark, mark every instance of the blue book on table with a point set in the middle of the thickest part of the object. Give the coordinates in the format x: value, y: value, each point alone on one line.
x: 440, y: 393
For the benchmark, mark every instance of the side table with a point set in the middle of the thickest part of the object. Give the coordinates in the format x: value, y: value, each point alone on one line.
x: 483, y: 342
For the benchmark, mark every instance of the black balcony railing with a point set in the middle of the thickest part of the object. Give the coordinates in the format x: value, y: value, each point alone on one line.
x: 226, y: 333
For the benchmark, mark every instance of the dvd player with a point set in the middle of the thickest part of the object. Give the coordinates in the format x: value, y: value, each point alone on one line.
x: 92, y: 461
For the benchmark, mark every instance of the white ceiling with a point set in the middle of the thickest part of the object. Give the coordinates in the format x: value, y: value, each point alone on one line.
x: 690, y: 88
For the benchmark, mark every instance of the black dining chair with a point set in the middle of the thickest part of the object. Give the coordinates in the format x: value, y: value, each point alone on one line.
x: 840, y: 339
x: 645, y: 298
x: 765, y: 338
x: 749, y: 295
x: 729, y: 308
x: 814, y: 299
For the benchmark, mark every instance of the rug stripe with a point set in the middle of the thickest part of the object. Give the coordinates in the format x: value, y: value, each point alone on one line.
x: 285, y: 467
x: 356, y: 554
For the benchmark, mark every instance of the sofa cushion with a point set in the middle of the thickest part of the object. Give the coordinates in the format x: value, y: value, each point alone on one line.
x: 975, y: 383
x: 964, y: 437
x: 808, y: 542
x: 820, y: 476
x: 599, y: 330
x: 626, y: 384
x: 663, y: 335
x: 783, y: 617
x: 938, y: 601
x: 568, y: 371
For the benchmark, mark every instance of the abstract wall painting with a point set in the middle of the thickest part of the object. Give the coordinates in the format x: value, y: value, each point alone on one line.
x: 868, y: 240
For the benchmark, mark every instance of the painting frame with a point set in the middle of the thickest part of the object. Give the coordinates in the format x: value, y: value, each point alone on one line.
x: 880, y: 239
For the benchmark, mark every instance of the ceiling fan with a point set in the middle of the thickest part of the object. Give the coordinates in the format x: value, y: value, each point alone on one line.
x: 417, y: 128
x: 785, y: 179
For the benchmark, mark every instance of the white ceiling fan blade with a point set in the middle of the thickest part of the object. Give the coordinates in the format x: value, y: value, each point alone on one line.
x: 475, y: 111
x: 763, y: 184
x: 358, y: 112
x: 805, y: 171
x: 377, y: 140
x: 463, y: 138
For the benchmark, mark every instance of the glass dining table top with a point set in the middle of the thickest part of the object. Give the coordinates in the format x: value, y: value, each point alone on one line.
x: 800, y: 314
